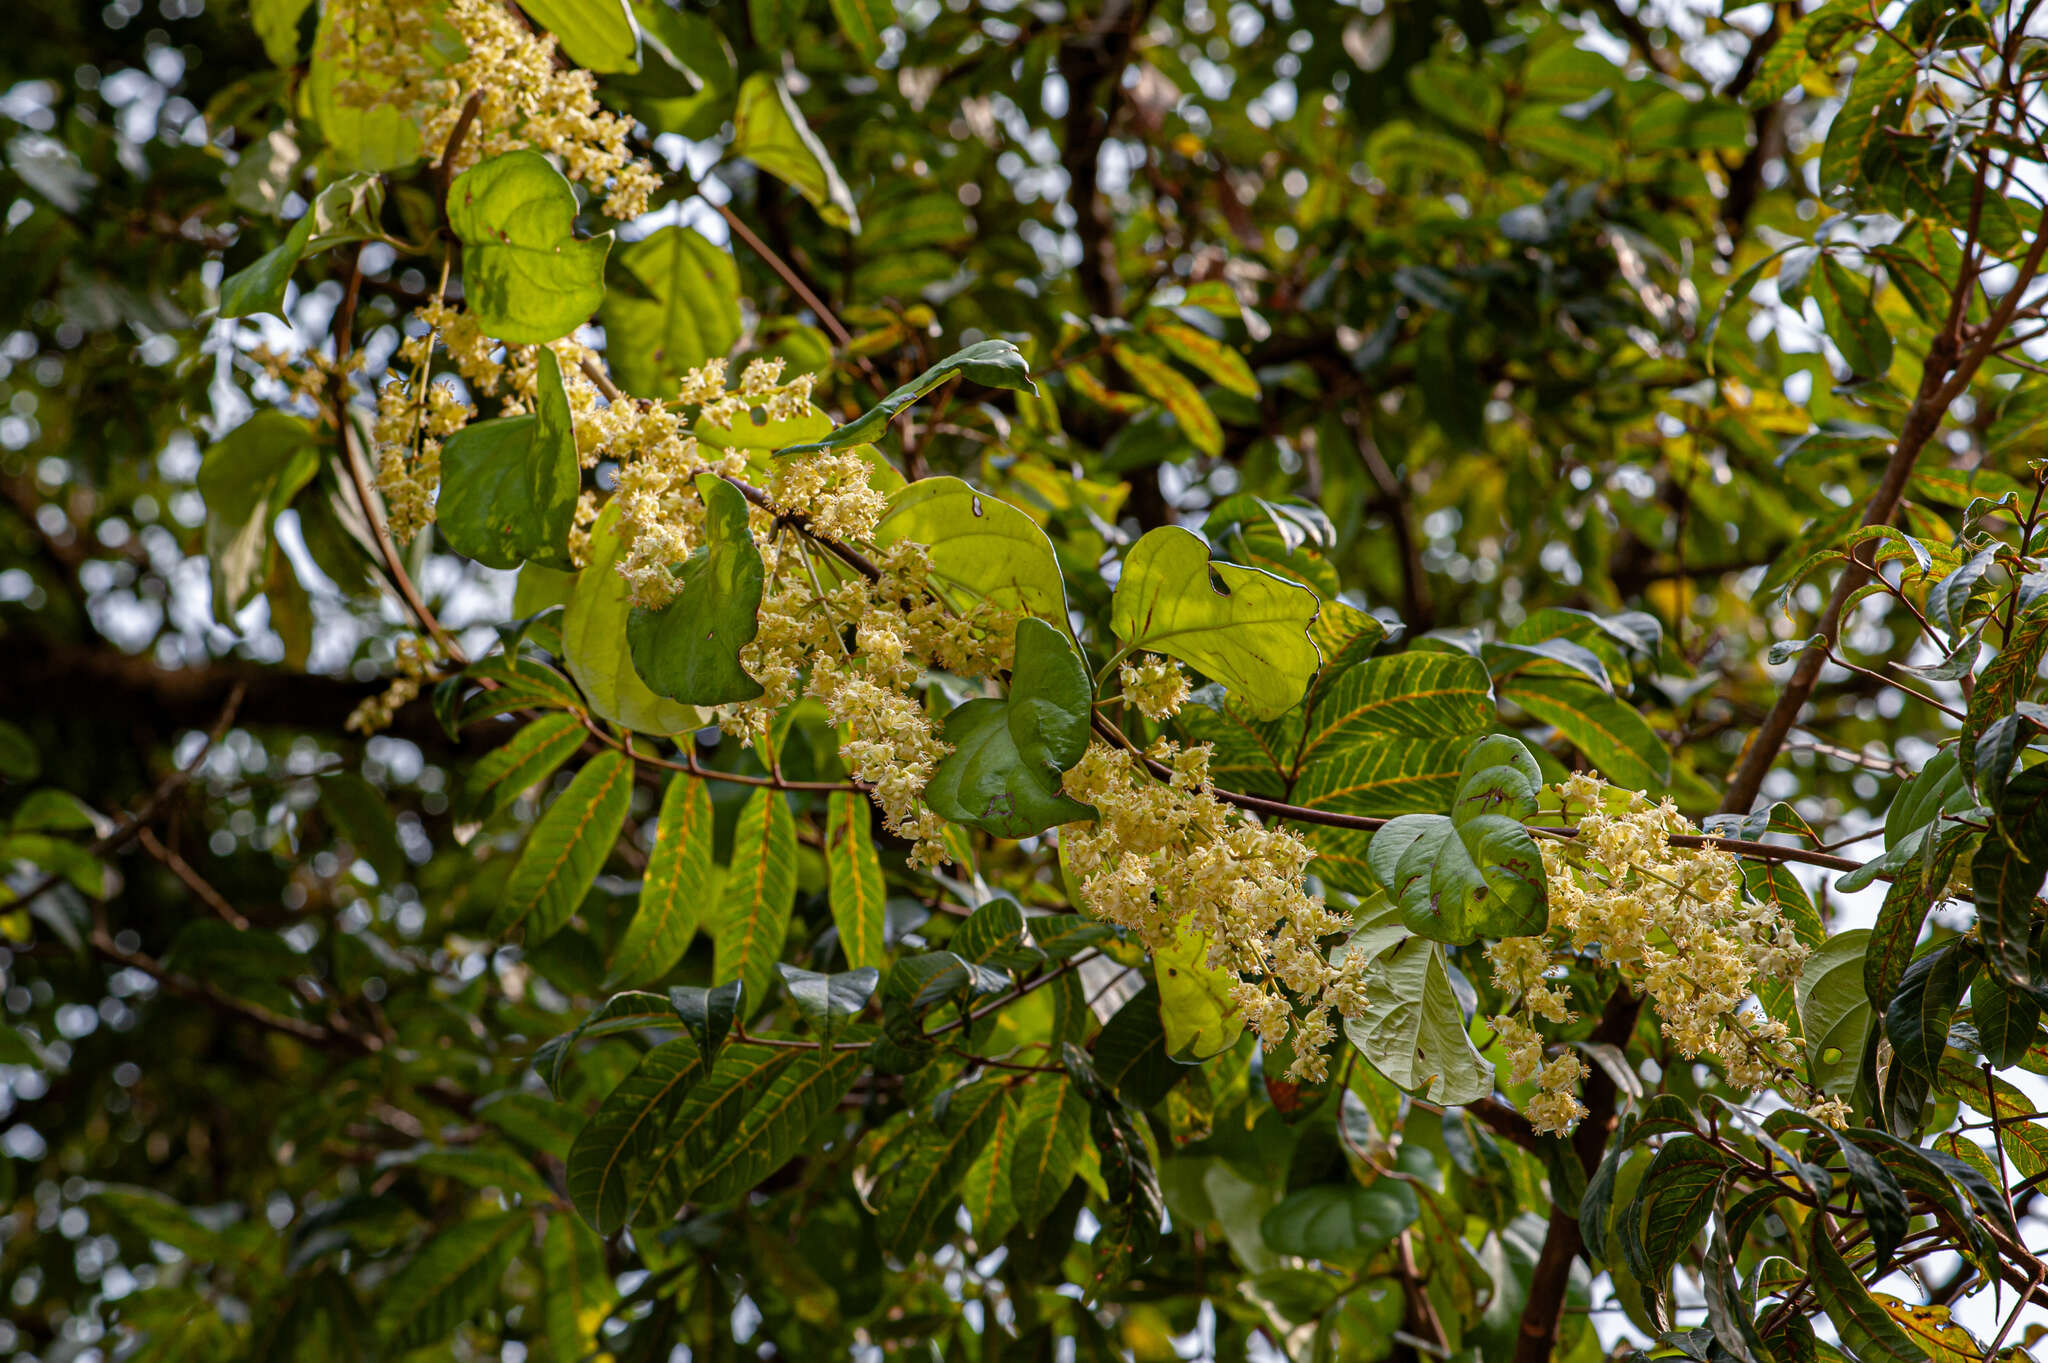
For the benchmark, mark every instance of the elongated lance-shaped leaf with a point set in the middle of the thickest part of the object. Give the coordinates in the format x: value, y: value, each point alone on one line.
x: 711, y: 1111
x: 858, y: 895
x: 776, y: 1126
x: 1608, y: 731
x: 577, y: 1286
x: 450, y: 1279
x: 614, y: 1148
x: 675, y: 889
x: 529, y: 758
x: 760, y: 888
x: 1918, y: 1016
x: 995, y: 363
x: 1241, y: 626
x: 567, y: 848
x: 628, y: 1012
x: 1052, y: 1126
x: 934, y: 1157
x: 1172, y: 390
x: 985, y: 1187
x: 1134, y: 1209
x: 689, y: 650
x: 1871, y: 1335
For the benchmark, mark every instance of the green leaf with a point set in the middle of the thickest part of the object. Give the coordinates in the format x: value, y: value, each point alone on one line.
x: 1677, y: 1196
x: 2004, y: 682
x: 567, y: 849
x: 362, y: 815
x: 1669, y: 122
x: 509, y: 485
x: 689, y: 650
x: 2008, y: 1019
x: 857, y: 892
x: 578, y: 1287
x: 1883, y: 1201
x: 1917, y: 1017
x: 777, y: 1126
x: 595, y: 648
x: 362, y: 132
x: 1906, y: 901
x: 1052, y: 1126
x: 524, y: 761
x: 683, y: 310
x: 1412, y: 1029
x: 614, y: 1148
x: 1608, y: 731
x: 1331, y: 1221
x: 679, y: 881
x: 1885, y: 77
x: 1412, y: 695
x: 995, y: 364
x: 710, y: 1114
x: 828, y: 1000
x: 1195, y: 1007
x: 1222, y: 364
x: 527, y: 277
x: 980, y: 548
x: 1171, y: 389
x: 454, y: 1276
x: 2005, y: 882
x: 1473, y: 873
x: 1834, y: 1014
x: 1003, y: 775
x: 985, y: 1187
x: 1464, y: 98
x: 708, y: 1013
x: 344, y: 211
x: 629, y: 1012
x: 770, y: 131
x: 1241, y: 626
x: 247, y: 477
x: 1870, y: 1334
x: 1853, y: 321
x: 862, y: 21
x: 1133, y: 1209
x: 753, y: 913
x: 933, y: 1158
x: 599, y: 35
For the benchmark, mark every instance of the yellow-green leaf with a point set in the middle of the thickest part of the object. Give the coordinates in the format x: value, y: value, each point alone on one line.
x: 1241, y: 626
x: 857, y: 891
x: 567, y: 849
x: 760, y: 888
x: 1176, y: 394
x: 679, y: 882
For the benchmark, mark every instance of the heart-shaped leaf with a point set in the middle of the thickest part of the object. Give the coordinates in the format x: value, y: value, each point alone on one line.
x: 529, y: 278
x: 689, y: 650
x: 1242, y: 626
x: 1003, y: 775
x: 508, y: 486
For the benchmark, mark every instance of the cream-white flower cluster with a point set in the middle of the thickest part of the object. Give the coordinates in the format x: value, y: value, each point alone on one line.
x: 1167, y: 859
x: 1672, y: 922
x: 524, y: 96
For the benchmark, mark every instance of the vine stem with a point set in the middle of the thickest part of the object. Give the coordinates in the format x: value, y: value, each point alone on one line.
x: 1746, y: 848
x: 1948, y: 372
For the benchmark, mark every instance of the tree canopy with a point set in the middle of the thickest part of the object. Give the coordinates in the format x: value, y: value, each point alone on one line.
x: 1106, y: 680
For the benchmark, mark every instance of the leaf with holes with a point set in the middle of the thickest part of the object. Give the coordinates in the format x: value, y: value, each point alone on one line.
x: 1241, y: 626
